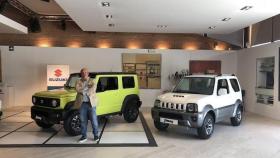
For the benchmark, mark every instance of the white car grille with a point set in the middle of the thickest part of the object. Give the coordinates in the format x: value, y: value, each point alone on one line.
x: 173, y: 106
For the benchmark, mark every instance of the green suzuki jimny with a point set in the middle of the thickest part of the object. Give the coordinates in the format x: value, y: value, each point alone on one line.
x: 118, y: 93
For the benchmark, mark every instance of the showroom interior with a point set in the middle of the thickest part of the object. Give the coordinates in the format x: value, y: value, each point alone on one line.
x: 158, y: 44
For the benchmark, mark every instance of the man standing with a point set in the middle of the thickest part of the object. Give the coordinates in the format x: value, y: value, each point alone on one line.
x: 86, y: 101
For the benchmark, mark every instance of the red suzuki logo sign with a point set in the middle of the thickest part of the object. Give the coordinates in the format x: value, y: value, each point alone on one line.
x: 57, y: 75
x: 57, y: 72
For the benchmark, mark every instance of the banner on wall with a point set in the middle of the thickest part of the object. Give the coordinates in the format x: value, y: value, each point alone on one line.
x: 57, y: 76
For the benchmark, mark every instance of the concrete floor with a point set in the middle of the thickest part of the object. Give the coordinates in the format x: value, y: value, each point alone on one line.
x: 257, y: 137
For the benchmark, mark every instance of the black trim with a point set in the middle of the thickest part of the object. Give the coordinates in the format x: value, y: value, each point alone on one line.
x: 101, y: 133
x: 53, y: 116
x: 151, y: 139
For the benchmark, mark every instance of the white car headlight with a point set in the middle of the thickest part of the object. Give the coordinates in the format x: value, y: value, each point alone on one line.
x: 192, y: 107
x: 54, y: 103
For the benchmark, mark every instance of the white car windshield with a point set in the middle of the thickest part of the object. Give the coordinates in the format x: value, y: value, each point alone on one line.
x: 195, y: 85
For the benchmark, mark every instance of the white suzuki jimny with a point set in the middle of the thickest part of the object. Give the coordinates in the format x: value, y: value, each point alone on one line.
x: 200, y: 101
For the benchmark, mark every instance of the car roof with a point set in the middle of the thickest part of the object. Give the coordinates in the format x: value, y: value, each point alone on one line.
x: 213, y: 76
x: 106, y: 73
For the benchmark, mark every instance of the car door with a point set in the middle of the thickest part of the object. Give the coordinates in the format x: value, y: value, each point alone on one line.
x: 223, y: 102
x: 107, y: 94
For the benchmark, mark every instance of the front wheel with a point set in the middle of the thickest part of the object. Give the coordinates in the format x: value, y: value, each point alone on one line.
x: 131, y: 111
x: 72, y: 124
x: 161, y: 126
x: 236, y: 120
x: 207, y: 128
x: 44, y: 125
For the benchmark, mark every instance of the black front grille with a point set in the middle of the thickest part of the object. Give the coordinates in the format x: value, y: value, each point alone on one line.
x: 170, y: 115
x: 41, y: 101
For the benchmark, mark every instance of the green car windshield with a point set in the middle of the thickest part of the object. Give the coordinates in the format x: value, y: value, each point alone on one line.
x: 195, y: 85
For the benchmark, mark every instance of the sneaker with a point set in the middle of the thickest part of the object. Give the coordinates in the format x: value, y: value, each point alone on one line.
x: 96, y: 138
x: 82, y: 139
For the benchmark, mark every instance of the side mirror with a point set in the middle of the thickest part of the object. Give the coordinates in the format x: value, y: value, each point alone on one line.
x: 222, y: 91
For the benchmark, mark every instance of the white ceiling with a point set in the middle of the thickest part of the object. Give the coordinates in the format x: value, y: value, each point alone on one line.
x: 42, y: 7
x: 180, y: 16
x: 9, y: 26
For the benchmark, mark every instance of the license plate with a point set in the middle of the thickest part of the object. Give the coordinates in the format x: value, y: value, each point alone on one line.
x: 38, y: 117
x: 169, y: 121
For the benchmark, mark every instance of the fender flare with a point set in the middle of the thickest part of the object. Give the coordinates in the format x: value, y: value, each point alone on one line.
x: 237, y: 104
x: 129, y: 97
x: 209, y: 108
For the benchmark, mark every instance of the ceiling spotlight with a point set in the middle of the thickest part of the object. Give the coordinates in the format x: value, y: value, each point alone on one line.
x: 245, y: 8
x: 226, y: 19
x: 111, y: 25
x: 109, y: 16
x: 212, y: 27
x: 105, y: 4
x: 161, y: 26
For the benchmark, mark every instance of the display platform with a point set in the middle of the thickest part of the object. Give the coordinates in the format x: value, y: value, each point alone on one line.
x: 17, y: 129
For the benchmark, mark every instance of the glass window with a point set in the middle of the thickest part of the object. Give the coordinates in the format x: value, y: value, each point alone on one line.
x: 234, y: 85
x: 128, y: 82
x: 222, y: 83
x: 107, y: 83
x: 195, y: 85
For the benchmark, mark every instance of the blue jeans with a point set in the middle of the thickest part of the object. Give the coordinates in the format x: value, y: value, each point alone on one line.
x: 88, y: 113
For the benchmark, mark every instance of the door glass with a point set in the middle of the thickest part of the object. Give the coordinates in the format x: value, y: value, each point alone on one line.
x: 107, y: 83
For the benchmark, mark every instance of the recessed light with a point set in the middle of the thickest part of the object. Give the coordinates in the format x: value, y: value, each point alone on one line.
x: 111, y: 25
x: 245, y: 8
x: 105, y: 4
x: 161, y: 26
x: 109, y: 16
x: 212, y: 27
x: 226, y: 19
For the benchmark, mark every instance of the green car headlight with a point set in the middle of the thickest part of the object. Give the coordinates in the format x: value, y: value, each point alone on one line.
x: 157, y: 103
x: 34, y: 100
x: 192, y: 107
x: 54, y: 103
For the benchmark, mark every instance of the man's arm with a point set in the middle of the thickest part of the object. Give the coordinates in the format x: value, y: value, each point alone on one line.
x: 92, y: 87
x: 79, y: 88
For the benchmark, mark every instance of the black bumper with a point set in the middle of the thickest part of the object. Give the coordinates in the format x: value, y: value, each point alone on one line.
x: 192, y: 120
x: 46, y: 115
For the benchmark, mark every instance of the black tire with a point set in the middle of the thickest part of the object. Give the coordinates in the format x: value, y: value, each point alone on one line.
x: 207, y: 128
x: 131, y: 111
x: 72, y: 124
x: 161, y: 126
x: 237, y: 119
x: 44, y: 125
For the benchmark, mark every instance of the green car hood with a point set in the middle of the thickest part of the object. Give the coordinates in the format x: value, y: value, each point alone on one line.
x: 58, y: 93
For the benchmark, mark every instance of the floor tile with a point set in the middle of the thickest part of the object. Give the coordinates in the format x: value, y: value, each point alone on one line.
x: 17, y: 119
x: 123, y: 138
x: 25, y: 138
x: 10, y: 126
x: 35, y: 128
x: 124, y: 127
x: 3, y: 133
x: 63, y: 138
x: 120, y: 119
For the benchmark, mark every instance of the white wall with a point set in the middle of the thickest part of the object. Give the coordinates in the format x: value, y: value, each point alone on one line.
x: 246, y: 72
x: 25, y: 67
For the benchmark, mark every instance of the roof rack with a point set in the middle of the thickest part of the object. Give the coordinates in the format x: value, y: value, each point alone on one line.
x: 226, y: 75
